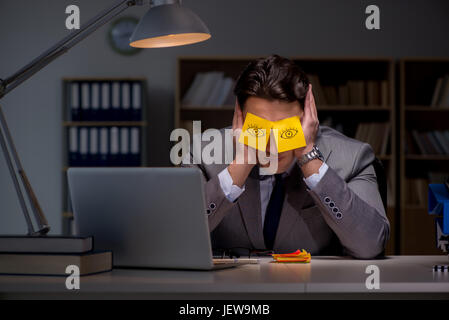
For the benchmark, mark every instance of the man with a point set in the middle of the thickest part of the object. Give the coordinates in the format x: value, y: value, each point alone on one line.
x: 323, y: 198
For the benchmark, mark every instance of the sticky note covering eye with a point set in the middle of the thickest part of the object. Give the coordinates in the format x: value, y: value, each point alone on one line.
x: 288, y: 133
x: 255, y: 132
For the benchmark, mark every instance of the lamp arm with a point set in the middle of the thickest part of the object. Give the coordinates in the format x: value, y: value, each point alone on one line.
x: 10, y: 83
x: 63, y: 46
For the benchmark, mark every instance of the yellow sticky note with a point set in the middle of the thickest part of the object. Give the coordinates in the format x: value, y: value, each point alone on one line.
x: 255, y: 132
x: 289, y: 134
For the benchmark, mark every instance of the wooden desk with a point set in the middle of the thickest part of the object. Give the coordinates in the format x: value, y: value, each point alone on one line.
x: 324, y: 277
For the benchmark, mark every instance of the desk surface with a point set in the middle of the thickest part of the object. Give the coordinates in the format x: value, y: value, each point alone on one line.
x: 333, y: 277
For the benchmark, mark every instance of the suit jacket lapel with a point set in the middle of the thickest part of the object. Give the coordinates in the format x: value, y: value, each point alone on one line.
x: 250, y: 209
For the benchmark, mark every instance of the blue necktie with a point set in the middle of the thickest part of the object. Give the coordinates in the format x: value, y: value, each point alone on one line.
x: 273, y: 213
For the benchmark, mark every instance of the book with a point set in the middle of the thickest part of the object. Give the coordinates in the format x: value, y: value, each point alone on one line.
x: 384, y: 94
x: 436, y: 92
x: 356, y: 92
x: 54, y: 264
x: 386, y: 138
x: 48, y: 244
x: 318, y: 92
x: 373, y: 93
x: 419, y: 143
x: 443, y: 141
x: 331, y: 94
x: 443, y: 101
x: 343, y: 95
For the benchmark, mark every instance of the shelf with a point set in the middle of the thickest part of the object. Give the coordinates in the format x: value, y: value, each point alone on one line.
x: 429, y: 157
x: 105, y: 124
x: 425, y: 109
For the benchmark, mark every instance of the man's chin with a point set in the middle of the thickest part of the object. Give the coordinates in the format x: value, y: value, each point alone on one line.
x: 281, y: 165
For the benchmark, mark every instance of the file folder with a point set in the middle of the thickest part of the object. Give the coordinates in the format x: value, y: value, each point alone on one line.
x: 95, y: 102
x: 104, y: 147
x: 126, y: 102
x: 105, y: 102
x: 136, y: 102
x: 135, y: 157
x: 114, y: 146
x: 83, y: 146
x: 75, y: 101
x: 93, y: 147
x: 73, y: 147
x: 85, y: 101
x: 115, y: 101
x: 124, y: 147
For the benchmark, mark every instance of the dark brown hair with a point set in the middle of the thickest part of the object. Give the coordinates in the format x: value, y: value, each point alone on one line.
x: 272, y: 78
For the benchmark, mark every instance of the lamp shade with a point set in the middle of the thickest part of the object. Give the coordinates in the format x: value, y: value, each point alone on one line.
x: 169, y: 25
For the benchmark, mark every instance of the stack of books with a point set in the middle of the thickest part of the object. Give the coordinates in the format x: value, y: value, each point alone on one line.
x: 427, y: 143
x: 47, y: 255
x: 440, y: 97
x: 377, y: 134
x: 353, y: 92
x: 209, y: 90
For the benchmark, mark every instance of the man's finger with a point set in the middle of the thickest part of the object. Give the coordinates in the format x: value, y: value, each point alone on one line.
x: 234, y: 118
x: 239, y: 117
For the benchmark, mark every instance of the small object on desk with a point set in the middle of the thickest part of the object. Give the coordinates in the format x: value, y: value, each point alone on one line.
x: 297, y: 256
x: 54, y: 264
x: 441, y: 268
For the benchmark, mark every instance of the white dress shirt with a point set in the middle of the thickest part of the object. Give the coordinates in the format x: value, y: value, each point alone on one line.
x: 233, y: 192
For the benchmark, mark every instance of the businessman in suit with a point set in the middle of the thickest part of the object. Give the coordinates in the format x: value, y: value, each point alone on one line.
x: 323, y: 197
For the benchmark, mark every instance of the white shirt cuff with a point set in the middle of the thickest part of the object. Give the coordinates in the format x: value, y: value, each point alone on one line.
x: 231, y: 191
x: 315, y: 178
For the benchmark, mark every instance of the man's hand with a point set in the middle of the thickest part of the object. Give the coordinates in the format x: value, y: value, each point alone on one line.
x: 245, y: 159
x: 310, y: 125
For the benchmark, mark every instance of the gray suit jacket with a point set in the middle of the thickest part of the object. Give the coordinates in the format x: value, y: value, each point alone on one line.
x: 343, y: 214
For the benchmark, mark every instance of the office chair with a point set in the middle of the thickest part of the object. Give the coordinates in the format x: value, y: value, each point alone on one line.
x: 381, y: 180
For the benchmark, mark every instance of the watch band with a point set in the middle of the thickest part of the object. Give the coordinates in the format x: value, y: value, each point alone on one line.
x: 315, y: 153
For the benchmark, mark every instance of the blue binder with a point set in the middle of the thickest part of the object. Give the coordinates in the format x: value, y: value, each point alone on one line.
x: 439, y: 204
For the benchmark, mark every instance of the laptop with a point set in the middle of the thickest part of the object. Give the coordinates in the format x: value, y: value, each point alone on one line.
x: 148, y: 217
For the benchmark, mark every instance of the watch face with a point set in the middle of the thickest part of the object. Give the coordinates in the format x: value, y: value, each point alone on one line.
x: 120, y: 33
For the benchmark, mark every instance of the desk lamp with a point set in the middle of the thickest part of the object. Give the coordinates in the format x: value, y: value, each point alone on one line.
x: 166, y: 24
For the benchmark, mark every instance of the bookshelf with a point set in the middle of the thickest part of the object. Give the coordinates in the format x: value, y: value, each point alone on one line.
x: 420, y: 115
x: 348, y: 91
x: 104, y: 125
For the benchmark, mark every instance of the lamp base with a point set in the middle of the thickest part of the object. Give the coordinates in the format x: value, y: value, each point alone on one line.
x: 45, y: 244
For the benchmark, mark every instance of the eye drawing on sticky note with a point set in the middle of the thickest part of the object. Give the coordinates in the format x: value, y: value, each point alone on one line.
x: 289, y: 133
x: 255, y: 131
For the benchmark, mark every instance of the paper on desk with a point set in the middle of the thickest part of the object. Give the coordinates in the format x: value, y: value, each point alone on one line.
x: 288, y: 134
